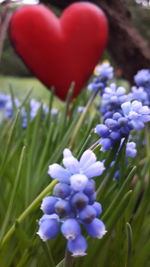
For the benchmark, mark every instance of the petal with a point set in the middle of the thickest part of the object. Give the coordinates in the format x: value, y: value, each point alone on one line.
x: 95, y: 169
x: 87, y: 159
x: 58, y: 172
x: 77, y: 246
x: 126, y: 107
x: 72, y: 164
x: 96, y: 228
x: 67, y: 153
x: 144, y: 110
x: 78, y: 182
x: 70, y: 229
x: 145, y: 118
x: 48, y: 229
x: 137, y: 124
x: 136, y: 105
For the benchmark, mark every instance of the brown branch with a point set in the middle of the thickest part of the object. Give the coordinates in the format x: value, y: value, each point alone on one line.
x: 5, y: 17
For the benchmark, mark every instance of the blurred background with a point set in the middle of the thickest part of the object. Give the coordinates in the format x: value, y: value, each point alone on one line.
x: 128, y: 46
x: 140, y: 10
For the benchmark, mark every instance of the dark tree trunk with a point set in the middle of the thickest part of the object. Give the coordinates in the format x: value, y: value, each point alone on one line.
x: 128, y: 48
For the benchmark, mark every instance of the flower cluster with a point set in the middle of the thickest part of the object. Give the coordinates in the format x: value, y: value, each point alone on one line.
x: 142, y: 79
x: 102, y: 73
x: 139, y: 94
x: 73, y: 202
x: 122, y: 111
x: 133, y: 116
x: 112, y: 99
x: 8, y: 106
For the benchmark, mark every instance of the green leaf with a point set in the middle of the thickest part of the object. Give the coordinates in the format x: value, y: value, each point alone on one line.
x: 60, y: 264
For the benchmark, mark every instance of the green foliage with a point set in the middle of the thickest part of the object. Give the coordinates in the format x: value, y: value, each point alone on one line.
x: 24, y: 159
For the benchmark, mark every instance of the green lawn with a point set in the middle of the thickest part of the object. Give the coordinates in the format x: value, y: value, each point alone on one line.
x: 21, y: 86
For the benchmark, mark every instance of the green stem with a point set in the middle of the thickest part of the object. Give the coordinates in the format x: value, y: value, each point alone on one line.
x: 68, y: 260
x: 82, y: 117
x: 28, y: 210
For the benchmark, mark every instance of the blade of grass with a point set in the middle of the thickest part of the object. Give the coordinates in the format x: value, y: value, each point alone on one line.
x: 28, y: 210
x: 10, y: 205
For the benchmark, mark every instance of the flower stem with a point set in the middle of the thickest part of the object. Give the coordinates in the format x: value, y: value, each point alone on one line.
x: 80, y: 121
x: 28, y: 210
x: 68, y: 261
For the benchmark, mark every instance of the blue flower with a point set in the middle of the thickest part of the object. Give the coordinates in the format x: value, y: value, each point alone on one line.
x: 87, y: 214
x: 132, y: 116
x: 139, y: 94
x: 136, y: 113
x: 96, y: 228
x: 71, y: 229
x: 48, y: 227
x: 87, y: 166
x: 48, y: 204
x: 77, y: 246
x: 3, y: 100
x: 9, y: 106
x: 81, y: 109
x: 112, y: 99
x: 142, y: 78
x: 104, y: 70
x: 102, y: 73
x: 73, y: 203
x: 131, y: 150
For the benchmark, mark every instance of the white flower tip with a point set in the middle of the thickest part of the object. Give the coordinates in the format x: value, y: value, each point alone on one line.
x: 41, y: 207
x: 53, y: 170
x: 70, y: 236
x: 67, y: 153
x: 101, y: 234
x: 41, y: 235
x: 79, y: 254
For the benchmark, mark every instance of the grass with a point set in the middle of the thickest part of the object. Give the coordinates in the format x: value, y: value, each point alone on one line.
x: 21, y: 86
x: 25, y: 155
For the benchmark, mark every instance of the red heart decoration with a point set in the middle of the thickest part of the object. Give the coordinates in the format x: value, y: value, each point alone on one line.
x: 60, y: 50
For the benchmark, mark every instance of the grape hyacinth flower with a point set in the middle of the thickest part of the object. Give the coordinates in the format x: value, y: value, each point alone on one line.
x: 131, y: 150
x: 7, y: 106
x: 112, y: 99
x: 73, y: 202
x: 34, y: 107
x: 139, y: 94
x: 103, y: 73
x: 133, y: 116
x: 142, y: 79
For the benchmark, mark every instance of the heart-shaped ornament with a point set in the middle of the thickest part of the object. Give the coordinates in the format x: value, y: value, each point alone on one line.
x: 60, y: 50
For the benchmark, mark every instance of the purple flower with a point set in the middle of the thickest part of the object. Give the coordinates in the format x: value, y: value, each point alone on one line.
x: 73, y: 201
x: 139, y: 94
x: 131, y: 150
x: 96, y: 228
x: 48, y: 204
x: 136, y: 114
x: 112, y: 99
x: 86, y: 166
x: 49, y: 227
x: 70, y: 229
x: 77, y: 246
x: 102, y: 73
x: 142, y: 78
x: 132, y: 116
